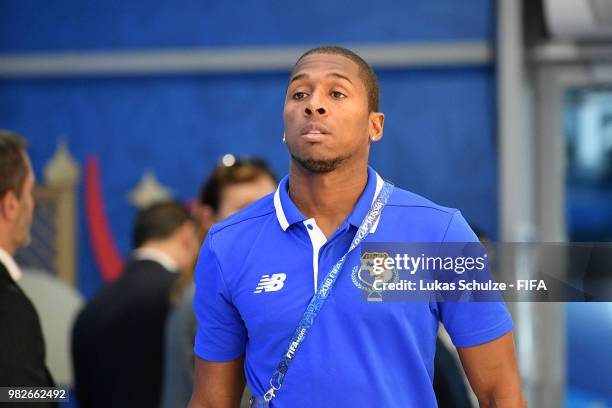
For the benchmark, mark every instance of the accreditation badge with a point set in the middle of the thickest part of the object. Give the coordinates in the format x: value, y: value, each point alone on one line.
x: 371, y: 273
x: 259, y: 402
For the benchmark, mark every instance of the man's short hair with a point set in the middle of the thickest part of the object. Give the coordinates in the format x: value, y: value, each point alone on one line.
x: 159, y: 221
x: 13, y: 165
x: 366, y: 73
x: 241, y: 171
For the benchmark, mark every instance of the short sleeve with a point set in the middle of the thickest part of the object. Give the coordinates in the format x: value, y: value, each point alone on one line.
x: 221, y: 334
x: 471, y: 323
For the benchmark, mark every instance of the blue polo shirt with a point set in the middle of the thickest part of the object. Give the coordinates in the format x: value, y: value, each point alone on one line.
x: 259, y: 268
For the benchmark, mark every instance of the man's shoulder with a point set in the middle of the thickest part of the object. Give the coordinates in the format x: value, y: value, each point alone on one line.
x: 145, y: 277
x: 409, y: 200
x: 12, y: 297
x: 256, y: 213
x: 151, y: 269
x: 427, y: 221
x: 20, y: 311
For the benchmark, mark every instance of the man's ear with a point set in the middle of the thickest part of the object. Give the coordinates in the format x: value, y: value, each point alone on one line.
x: 188, y: 235
x: 377, y: 122
x: 9, y: 206
x: 204, y: 215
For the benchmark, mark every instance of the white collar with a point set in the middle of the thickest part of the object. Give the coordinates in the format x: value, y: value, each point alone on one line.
x: 282, y: 218
x: 155, y: 255
x: 13, y: 269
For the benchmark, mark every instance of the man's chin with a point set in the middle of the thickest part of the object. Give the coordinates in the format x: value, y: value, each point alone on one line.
x: 319, y: 165
x: 27, y: 241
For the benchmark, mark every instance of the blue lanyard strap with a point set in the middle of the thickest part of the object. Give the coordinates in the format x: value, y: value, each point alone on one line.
x: 319, y: 298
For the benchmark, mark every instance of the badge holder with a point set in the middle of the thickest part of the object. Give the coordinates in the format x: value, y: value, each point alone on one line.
x: 316, y: 302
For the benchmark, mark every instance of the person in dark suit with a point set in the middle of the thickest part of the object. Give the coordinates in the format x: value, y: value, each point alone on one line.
x: 22, y: 347
x: 117, y: 341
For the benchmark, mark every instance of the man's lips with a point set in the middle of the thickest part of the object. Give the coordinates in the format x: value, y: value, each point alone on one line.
x: 314, y: 132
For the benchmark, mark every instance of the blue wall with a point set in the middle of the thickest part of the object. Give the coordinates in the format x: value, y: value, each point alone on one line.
x: 440, y: 123
x: 28, y: 25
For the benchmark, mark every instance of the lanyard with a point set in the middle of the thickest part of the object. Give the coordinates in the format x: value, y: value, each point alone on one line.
x: 320, y: 297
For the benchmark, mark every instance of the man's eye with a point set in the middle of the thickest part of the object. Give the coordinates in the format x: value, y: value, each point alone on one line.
x: 338, y: 95
x: 299, y: 95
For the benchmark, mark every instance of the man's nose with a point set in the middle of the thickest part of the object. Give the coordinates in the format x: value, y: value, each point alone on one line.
x: 315, y: 105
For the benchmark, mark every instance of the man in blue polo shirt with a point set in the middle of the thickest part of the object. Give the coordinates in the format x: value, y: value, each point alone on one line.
x: 259, y: 269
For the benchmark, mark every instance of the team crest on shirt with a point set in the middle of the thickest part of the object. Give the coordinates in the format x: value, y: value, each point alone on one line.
x: 364, y: 276
x: 272, y: 283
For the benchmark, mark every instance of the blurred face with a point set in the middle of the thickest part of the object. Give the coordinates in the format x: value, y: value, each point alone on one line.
x: 190, y: 245
x: 23, y: 221
x: 237, y: 196
x: 327, y: 120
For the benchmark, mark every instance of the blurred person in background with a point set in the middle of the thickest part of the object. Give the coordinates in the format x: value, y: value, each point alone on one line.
x: 232, y: 185
x: 22, y: 347
x: 117, y: 341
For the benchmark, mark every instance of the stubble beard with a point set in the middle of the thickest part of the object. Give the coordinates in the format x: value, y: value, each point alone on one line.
x: 320, y: 166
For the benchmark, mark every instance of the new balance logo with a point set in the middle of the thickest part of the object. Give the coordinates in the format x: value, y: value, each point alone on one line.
x: 271, y: 283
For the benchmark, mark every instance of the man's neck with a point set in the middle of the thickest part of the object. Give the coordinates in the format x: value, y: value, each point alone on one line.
x: 327, y: 197
x: 7, y: 260
x: 161, y: 252
x: 6, y: 243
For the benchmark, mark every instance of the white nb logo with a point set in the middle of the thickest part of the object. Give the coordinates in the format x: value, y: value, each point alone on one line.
x: 271, y: 283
